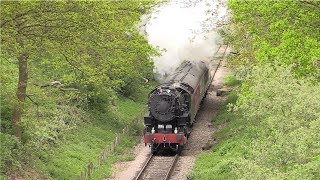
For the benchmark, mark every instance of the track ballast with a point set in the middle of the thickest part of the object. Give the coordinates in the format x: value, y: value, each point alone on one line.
x: 158, y: 167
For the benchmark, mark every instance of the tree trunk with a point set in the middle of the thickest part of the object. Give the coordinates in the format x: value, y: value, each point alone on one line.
x: 21, y: 92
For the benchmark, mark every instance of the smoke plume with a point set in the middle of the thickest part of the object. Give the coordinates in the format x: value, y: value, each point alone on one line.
x: 184, y: 30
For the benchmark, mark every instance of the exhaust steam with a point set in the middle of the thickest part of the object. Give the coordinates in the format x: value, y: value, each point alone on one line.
x: 184, y: 30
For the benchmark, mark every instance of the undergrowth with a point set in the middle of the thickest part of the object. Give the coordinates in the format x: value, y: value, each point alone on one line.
x: 84, y: 143
x: 63, y: 138
x: 270, y: 131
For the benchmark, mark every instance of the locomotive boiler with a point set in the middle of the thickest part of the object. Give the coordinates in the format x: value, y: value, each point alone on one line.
x: 173, y: 105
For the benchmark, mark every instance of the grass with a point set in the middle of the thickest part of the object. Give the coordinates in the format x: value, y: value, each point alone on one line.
x: 215, y: 164
x: 223, y: 116
x: 231, y: 81
x: 64, y: 138
x: 85, y: 143
x: 80, y: 147
x: 122, y: 153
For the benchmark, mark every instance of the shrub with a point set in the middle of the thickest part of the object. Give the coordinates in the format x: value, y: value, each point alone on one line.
x: 272, y: 132
x: 286, y: 113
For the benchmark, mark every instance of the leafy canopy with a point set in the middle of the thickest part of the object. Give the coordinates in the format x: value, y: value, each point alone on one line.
x: 278, y: 32
x: 92, y: 46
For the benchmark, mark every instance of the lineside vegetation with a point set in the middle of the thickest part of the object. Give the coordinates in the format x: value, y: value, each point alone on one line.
x: 64, y: 65
x: 271, y: 123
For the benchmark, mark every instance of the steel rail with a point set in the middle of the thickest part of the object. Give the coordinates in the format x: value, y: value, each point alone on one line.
x: 147, y: 166
x: 220, y: 58
x: 149, y: 160
x: 172, y: 167
x: 144, y: 167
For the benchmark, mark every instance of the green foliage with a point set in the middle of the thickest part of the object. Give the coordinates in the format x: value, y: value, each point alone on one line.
x: 223, y: 115
x: 231, y: 81
x: 91, y: 46
x: 85, y: 142
x: 49, y: 124
x: 277, y: 32
x: 94, y: 49
x: 271, y: 133
x: 10, y: 151
x: 216, y: 164
x: 287, y: 111
x: 6, y: 95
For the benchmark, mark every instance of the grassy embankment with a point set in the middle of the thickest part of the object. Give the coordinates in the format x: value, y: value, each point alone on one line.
x: 272, y: 130
x: 69, y: 156
x: 85, y: 143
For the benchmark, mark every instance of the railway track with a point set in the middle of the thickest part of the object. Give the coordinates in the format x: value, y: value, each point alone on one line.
x: 157, y: 167
x: 218, y: 56
x: 161, y: 167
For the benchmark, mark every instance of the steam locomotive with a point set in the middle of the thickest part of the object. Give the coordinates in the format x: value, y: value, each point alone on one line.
x: 173, y: 105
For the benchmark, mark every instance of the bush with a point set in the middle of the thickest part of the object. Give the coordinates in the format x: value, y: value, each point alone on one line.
x: 286, y: 113
x: 272, y: 132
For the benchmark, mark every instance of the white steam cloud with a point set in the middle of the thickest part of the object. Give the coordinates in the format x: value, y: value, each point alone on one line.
x: 185, y: 30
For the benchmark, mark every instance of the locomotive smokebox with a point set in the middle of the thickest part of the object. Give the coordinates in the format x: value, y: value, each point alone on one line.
x: 163, y: 103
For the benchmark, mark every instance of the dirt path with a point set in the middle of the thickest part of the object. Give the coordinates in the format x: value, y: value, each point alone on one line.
x: 127, y: 170
x: 201, y: 133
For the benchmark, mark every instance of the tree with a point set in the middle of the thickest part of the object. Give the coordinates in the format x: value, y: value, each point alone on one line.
x: 278, y: 32
x: 91, y: 38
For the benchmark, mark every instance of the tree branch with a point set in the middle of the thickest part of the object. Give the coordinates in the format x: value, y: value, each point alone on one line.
x: 32, y: 11
x: 69, y: 89
x: 56, y: 84
x: 70, y: 63
x: 28, y: 96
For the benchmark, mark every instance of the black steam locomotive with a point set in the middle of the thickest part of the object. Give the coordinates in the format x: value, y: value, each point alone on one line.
x: 173, y: 106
